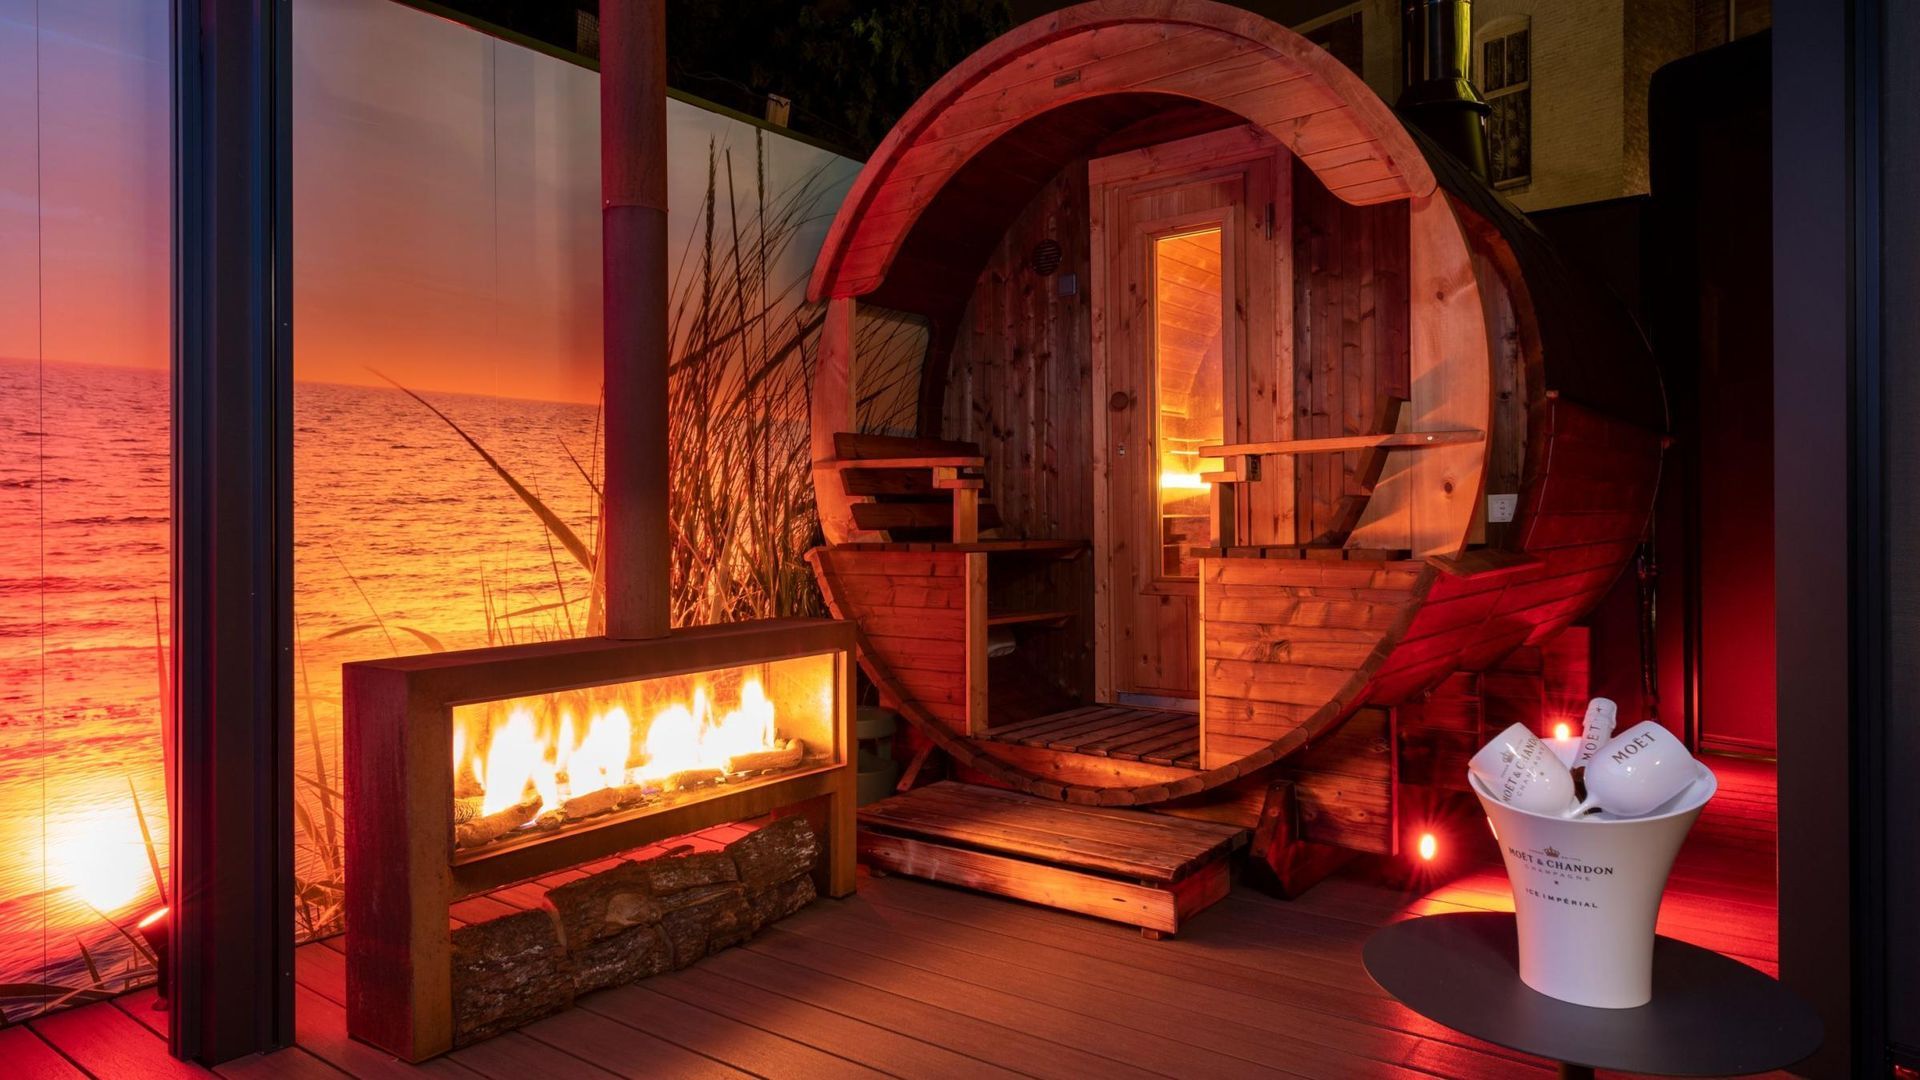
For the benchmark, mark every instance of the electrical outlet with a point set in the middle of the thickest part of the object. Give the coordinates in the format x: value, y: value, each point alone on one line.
x: 1501, y: 507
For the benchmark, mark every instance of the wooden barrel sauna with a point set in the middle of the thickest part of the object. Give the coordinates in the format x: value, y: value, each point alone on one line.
x: 1247, y: 411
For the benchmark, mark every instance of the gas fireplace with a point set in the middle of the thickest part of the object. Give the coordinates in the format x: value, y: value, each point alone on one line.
x: 531, y: 765
x: 474, y: 770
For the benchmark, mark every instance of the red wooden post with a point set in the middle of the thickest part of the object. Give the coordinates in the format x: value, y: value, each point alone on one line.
x: 633, y: 187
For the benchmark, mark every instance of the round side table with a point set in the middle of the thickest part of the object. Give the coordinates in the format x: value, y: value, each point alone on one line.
x: 1710, y: 1016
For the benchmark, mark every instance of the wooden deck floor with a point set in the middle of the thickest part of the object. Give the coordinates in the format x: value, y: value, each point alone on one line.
x: 914, y: 980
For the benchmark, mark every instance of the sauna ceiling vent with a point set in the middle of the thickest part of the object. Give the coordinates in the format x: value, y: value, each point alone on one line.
x: 1044, y: 259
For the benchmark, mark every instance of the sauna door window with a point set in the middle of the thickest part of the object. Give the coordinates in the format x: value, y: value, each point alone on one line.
x: 1189, y: 388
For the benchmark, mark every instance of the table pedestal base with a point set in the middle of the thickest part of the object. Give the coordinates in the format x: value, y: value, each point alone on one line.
x: 1710, y: 1016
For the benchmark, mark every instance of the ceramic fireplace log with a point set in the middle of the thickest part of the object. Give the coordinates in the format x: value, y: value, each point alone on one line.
x: 688, y: 779
x: 786, y: 757
x: 485, y: 830
x: 598, y: 802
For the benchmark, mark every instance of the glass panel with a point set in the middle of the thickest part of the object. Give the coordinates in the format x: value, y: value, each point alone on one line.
x: 1189, y: 389
x: 1519, y: 63
x: 84, y: 496
x: 528, y: 766
x: 1493, y: 65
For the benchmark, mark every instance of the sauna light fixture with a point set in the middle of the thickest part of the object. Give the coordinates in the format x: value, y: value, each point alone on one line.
x: 1182, y: 481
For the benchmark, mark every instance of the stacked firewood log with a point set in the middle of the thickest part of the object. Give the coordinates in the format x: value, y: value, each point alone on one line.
x: 636, y: 919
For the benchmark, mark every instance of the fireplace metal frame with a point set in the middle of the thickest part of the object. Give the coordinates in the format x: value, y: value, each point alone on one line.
x: 399, y: 772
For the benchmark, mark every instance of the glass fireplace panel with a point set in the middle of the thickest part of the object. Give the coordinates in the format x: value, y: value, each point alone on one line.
x: 529, y: 766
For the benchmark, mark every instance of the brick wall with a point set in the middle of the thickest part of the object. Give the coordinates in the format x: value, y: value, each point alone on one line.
x: 1591, y: 64
x: 1658, y: 32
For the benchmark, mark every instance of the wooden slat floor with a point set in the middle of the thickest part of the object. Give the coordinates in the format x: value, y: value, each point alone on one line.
x: 909, y: 979
x: 1158, y: 736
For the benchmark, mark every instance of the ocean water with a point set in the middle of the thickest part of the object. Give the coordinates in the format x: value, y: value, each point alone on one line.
x: 83, y: 585
x: 405, y: 540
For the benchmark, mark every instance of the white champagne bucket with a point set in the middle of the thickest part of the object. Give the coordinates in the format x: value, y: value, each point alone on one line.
x: 1586, y: 893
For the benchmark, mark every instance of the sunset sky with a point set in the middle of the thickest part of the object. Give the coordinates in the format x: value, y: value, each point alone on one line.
x: 84, y: 182
x: 447, y: 204
x: 446, y: 198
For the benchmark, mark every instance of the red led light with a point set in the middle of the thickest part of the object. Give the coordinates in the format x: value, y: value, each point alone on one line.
x: 1562, y: 730
x: 152, y: 918
x: 1428, y: 846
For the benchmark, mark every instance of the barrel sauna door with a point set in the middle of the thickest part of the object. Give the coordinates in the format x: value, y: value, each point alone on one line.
x: 1184, y: 348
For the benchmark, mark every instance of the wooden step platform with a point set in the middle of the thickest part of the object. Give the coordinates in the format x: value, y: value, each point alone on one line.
x: 1131, y: 866
x: 1156, y: 736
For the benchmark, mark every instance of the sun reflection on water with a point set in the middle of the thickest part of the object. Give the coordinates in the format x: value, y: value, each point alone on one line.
x: 97, y: 856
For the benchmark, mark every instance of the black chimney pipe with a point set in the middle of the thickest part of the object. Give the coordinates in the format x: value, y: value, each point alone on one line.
x: 633, y: 231
x: 1436, y: 39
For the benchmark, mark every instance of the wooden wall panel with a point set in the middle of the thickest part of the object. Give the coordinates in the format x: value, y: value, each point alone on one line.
x: 1019, y: 384
x: 1344, y: 784
x: 911, y: 607
x: 1282, y: 639
x: 1350, y: 336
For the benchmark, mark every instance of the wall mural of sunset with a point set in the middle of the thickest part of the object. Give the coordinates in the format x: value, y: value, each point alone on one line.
x: 84, y: 240
x: 446, y: 407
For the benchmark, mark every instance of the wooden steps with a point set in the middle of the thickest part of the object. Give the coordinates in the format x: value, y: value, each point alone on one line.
x: 1130, y: 866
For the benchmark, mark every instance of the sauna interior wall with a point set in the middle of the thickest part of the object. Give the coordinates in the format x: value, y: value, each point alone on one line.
x: 1350, y: 335
x: 1019, y: 383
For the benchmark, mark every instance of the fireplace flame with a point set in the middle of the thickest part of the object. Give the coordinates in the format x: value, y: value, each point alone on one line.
x: 513, y: 762
x: 600, y: 761
x: 521, y: 759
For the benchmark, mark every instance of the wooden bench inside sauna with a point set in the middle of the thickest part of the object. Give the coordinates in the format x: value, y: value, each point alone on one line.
x: 1257, y: 436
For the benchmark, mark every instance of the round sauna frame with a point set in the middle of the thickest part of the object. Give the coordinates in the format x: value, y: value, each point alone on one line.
x: 1577, y: 405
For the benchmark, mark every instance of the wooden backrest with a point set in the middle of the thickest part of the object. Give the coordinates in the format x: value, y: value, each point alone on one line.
x: 1366, y: 474
x: 924, y: 521
x: 884, y: 483
x: 913, y: 489
x: 855, y: 446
